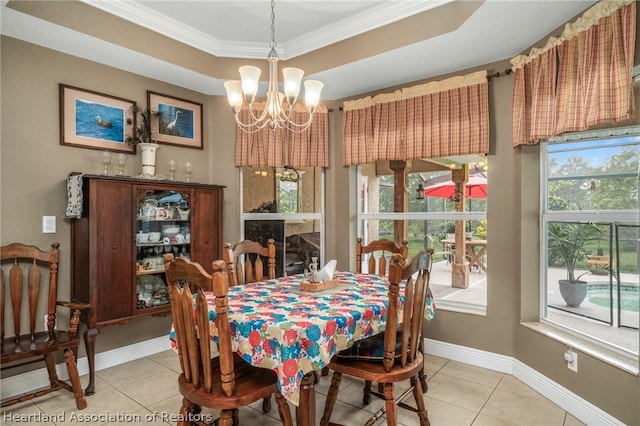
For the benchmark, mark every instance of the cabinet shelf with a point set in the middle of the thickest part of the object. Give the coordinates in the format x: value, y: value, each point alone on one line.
x: 153, y: 219
x: 150, y: 272
x: 161, y: 244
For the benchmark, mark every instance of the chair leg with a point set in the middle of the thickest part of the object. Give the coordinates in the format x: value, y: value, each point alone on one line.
x: 332, y: 395
x: 283, y: 410
x: 423, y: 380
x: 74, y: 377
x: 421, y: 409
x: 226, y: 418
x: 366, y: 396
x: 389, y: 408
x: 186, y: 408
x: 51, y: 369
x: 266, y: 405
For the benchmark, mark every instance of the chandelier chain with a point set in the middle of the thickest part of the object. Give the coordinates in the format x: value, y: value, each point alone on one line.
x: 273, y: 24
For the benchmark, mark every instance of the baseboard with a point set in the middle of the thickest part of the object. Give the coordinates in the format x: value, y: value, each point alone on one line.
x: 570, y: 402
x: 565, y: 399
x: 26, y: 382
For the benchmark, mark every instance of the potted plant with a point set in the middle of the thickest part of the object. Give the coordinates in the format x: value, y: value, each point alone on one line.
x: 567, y: 245
x: 143, y: 137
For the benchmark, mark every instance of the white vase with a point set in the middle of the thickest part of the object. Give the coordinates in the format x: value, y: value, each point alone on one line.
x: 148, y: 151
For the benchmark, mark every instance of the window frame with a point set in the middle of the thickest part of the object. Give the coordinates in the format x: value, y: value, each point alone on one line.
x: 362, y: 218
x: 599, y: 348
x: 317, y: 216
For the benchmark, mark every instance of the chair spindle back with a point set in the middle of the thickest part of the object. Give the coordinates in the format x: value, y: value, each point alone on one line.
x: 377, y: 250
x: 246, y: 261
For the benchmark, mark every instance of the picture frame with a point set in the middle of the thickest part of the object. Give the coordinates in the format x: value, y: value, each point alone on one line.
x: 180, y: 121
x: 96, y: 120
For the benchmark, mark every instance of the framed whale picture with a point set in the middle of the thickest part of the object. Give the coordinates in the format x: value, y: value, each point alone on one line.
x: 94, y: 120
x: 179, y: 123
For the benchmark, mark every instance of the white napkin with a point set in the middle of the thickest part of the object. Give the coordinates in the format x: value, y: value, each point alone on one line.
x: 327, y: 272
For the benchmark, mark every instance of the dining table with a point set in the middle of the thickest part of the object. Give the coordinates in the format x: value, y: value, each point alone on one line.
x: 294, y: 332
x: 475, y: 251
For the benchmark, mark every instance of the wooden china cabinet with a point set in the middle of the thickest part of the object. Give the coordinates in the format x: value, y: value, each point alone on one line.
x: 117, y: 245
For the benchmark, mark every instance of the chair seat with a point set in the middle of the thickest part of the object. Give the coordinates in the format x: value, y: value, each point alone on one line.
x: 41, y: 345
x: 374, y: 371
x: 251, y: 384
x: 370, y: 349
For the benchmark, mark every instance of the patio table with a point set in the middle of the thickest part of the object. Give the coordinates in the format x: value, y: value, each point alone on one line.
x: 475, y: 250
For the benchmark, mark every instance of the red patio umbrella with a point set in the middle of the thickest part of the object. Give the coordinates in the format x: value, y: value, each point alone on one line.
x: 476, y: 187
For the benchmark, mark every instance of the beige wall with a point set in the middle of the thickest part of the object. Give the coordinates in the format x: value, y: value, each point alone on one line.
x: 34, y: 166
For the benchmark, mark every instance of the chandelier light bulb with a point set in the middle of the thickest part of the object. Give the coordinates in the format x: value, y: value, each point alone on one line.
x: 250, y: 77
x: 312, y: 90
x: 292, y: 80
x: 234, y: 93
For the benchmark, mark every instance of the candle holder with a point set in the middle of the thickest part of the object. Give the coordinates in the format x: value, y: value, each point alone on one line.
x: 122, y: 160
x: 106, y: 160
x: 189, y: 167
x: 173, y: 165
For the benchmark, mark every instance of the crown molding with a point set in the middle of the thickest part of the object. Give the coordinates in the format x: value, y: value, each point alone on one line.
x: 381, y: 15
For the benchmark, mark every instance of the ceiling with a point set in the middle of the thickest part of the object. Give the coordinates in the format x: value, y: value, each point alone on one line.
x: 354, y: 47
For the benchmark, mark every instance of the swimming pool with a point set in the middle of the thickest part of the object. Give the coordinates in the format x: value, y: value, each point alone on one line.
x: 629, y: 297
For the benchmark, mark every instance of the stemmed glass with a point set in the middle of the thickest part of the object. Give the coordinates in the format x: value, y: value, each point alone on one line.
x: 122, y: 160
x: 106, y: 160
x: 189, y: 167
x: 173, y: 165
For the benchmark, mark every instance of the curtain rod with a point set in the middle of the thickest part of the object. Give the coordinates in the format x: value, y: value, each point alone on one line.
x: 499, y: 74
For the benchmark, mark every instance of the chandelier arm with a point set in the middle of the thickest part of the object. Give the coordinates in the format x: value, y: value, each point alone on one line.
x: 263, y: 116
x: 306, y: 124
x: 252, y: 127
x: 299, y: 127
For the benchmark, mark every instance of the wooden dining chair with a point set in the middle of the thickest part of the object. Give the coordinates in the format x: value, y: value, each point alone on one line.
x: 247, y: 259
x: 21, y: 343
x: 225, y: 382
x: 400, y: 358
x: 374, y: 255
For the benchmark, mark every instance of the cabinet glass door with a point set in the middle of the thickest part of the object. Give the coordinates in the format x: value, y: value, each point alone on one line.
x: 163, y: 226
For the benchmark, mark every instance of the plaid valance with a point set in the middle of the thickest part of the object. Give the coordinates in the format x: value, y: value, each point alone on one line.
x: 579, y: 80
x: 436, y: 119
x: 280, y: 148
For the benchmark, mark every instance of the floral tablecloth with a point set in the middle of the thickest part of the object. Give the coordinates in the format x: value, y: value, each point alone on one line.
x: 293, y: 332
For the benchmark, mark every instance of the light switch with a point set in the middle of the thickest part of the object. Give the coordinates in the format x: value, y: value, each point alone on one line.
x: 48, y: 224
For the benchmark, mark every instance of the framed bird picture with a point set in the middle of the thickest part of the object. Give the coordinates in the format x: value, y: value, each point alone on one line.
x: 179, y: 123
x: 94, y: 120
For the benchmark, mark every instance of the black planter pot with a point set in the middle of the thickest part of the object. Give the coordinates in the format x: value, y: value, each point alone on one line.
x: 573, y: 293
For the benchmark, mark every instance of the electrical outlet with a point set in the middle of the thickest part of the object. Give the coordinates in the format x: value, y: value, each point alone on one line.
x: 572, y: 360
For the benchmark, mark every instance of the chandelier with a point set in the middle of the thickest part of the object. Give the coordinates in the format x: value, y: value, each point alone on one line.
x: 278, y: 111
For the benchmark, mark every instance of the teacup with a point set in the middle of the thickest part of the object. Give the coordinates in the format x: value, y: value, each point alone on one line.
x: 142, y: 237
x: 154, y: 237
x: 180, y: 238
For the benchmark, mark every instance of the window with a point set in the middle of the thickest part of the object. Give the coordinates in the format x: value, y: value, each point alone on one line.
x: 590, y: 234
x: 285, y: 204
x: 431, y: 223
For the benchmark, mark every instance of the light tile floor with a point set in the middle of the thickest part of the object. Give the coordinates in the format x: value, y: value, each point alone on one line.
x: 145, y: 391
